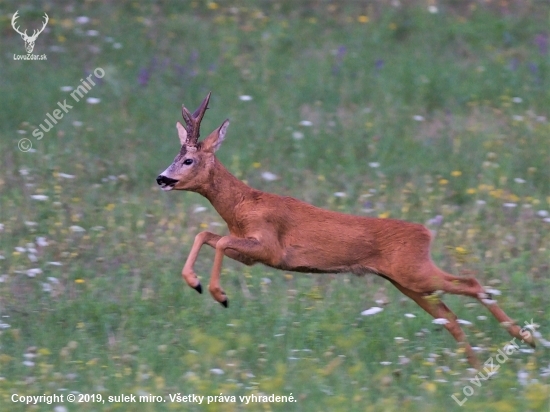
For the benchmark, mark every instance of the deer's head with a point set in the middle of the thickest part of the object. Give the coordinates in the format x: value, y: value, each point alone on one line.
x: 29, y: 40
x: 192, y: 166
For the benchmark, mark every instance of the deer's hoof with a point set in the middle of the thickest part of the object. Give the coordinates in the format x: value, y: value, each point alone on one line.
x: 198, y: 288
x: 225, y: 303
x: 530, y: 341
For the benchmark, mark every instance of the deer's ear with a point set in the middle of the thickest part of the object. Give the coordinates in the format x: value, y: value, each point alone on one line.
x: 182, y: 133
x: 215, y: 139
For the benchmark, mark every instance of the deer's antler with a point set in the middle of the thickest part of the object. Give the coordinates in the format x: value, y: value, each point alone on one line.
x: 24, y: 34
x: 37, y: 32
x: 15, y: 16
x: 193, y: 121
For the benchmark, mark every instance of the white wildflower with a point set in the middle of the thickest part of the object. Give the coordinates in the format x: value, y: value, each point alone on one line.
x: 82, y: 19
x: 372, y: 311
x: 93, y: 100
x: 39, y: 197
x: 523, y: 377
x: 297, y: 135
x: 33, y: 272
x: 76, y: 229
x: 440, y: 321
x: 464, y: 322
x: 270, y: 177
x: 245, y: 98
x: 65, y: 176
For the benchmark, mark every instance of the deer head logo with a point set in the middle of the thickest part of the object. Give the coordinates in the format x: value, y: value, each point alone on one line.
x: 29, y: 40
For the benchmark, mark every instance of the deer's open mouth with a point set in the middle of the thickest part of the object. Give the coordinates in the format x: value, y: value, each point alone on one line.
x: 166, y: 183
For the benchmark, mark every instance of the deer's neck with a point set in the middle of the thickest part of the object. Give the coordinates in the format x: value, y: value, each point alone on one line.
x: 225, y: 192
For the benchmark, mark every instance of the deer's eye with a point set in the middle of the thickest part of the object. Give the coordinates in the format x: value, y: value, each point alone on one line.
x: 187, y: 162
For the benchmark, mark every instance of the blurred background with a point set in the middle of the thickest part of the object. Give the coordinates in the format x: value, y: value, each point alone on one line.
x: 430, y: 111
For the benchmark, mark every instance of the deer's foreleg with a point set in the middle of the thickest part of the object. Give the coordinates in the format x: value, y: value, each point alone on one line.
x: 249, y: 249
x: 188, y: 273
x: 210, y: 239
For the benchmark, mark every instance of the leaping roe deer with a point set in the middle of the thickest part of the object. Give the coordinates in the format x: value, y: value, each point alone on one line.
x: 288, y: 234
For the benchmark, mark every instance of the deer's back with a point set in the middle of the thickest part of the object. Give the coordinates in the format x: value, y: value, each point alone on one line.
x: 310, y: 239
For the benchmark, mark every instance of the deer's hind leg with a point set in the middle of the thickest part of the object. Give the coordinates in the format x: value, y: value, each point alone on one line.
x: 469, y: 286
x: 435, y: 307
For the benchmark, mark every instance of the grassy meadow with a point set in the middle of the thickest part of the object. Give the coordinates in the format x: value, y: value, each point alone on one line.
x: 436, y: 112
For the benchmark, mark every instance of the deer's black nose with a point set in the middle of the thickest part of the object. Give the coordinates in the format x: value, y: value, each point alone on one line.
x: 163, y: 180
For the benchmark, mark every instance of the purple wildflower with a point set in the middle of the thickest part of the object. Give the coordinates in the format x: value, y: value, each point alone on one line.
x: 534, y: 69
x: 541, y: 41
x: 144, y: 76
x: 339, y: 57
x: 436, y: 221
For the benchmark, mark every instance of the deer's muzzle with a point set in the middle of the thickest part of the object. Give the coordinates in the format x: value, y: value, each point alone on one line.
x: 166, y: 183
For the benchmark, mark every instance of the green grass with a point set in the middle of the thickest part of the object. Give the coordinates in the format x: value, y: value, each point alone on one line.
x: 116, y: 317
